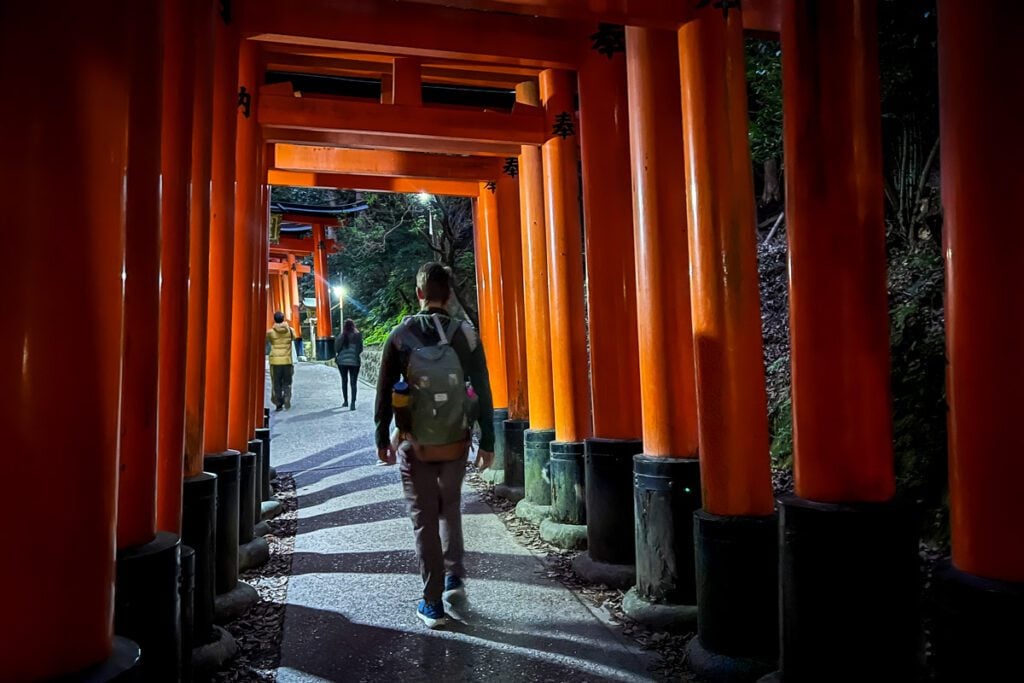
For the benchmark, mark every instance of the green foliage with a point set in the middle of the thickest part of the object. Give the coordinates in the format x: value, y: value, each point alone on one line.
x: 764, y: 97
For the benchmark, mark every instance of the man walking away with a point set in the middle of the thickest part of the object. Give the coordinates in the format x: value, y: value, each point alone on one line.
x: 437, y: 355
x: 280, y: 338
x: 348, y: 350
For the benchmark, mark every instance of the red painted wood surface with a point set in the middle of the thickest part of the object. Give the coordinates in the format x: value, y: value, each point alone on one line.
x: 489, y: 296
x: 513, y: 314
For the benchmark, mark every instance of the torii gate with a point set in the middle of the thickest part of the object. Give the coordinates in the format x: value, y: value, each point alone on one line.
x: 175, y: 141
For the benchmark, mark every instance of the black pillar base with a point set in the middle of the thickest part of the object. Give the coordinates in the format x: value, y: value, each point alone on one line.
x: 226, y: 466
x: 511, y: 486
x: 567, y: 526
x: 666, y: 493
x: 122, y: 666
x: 246, y: 497
x: 300, y: 350
x: 267, y: 493
x: 848, y: 578
x: 186, y: 593
x: 495, y: 474
x: 147, y: 604
x: 620, y: 576
x: 979, y: 628
x: 199, y: 532
x: 266, y: 418
x: 737, y: 597
x: 609, y: 479
x: 324, y: 348
x: 256, y: 448
x: 536, y: 462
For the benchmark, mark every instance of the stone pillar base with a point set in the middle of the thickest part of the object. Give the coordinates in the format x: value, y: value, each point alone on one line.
x: 500, y: 416
x: 253, y: 554
x: 979, y: 629
x: 666, y: 493
x: 514, y: 444
x: 226, y: 466
x: 266, y: 418
x: 213, y: 655
x: 234, y: 603
x: 246, y: 497
x: 609, y: 493
x: 256, y: 448
x: 147, y: 606
x: 186, y: 593
x: 612, y: 575
x: 270, y: 509
x: 198, y: 525
x: 663, y: 616
x: 848, y: 576
x: 532, y: 512
x: 493, y: 476
x: 324, y: 348
x: 266, y: 492
x: 512, y: 493
x: 536, y: 463
x: 737, y: 597
x: 568, y: 536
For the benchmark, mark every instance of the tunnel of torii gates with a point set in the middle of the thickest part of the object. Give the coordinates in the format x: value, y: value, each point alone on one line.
x: 637, y: 431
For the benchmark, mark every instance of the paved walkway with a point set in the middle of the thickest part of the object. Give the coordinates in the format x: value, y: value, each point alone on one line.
x: 355, y: 581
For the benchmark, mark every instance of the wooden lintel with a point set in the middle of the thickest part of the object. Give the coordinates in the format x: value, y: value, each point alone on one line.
x: 398, y: 143
x: 525, y: 127
x: 346, y: 181
x: 385, y: 163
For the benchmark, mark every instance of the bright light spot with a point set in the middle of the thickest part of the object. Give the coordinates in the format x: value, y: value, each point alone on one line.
x: 425, y: 197
x: 340, y: 291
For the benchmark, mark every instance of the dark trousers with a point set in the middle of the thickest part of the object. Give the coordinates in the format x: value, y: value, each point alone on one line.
x: 281, y: 384
x: 433, y: 494
x: 349, y: 376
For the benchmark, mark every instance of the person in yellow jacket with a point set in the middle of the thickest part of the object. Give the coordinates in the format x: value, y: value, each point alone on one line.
x: 280, y: 339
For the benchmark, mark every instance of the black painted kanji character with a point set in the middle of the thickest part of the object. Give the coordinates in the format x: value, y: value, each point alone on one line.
x: 511, y: 167
x: 245, y: 101
x: 564, y: 127
x: 609, y: 39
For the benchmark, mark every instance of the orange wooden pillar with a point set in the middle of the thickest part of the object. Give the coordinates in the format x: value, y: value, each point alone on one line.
x: 324, y: 343
x: 61, y: 420
x: 176, y: 159
x: 736, y: 531
x: 489, y: 297
x: 291, y: 295
x: 979, y: 633
x: 219, y: 458
x: 611, y: 292
x: 535, y: 441
x: 199, y: 489
x: 247, y: 241
x: 513, y: 330
x: 666, y: 478
x: 855, y: 617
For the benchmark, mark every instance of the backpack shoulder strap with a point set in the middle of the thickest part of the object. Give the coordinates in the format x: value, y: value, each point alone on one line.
x: 453, y: 327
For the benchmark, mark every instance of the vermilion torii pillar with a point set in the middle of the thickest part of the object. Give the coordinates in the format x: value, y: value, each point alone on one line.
x: 979, y: 631
x: 218, y: 457
x: 147, y: 604
x: 736, y: 531
x: 513, y: 332
x: 487, y: 246
x: 291, y: 294
x: 199, y: 490
x: 848, y: 569
x: 571, y: 383
x: 611, y: 291
x: 176, y: 159
x: 535, y: 441
x: 324, y: 337
x: 666, y: 475
x: 57, y: 619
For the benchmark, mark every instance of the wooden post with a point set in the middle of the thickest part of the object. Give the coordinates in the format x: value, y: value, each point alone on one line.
x: 222, y: 238
x: 666, y: 479
x: 62, y: 418
x: 293, y: 299
x: 199, y: 242
x: 848, y: 572
x: 980, y: 101
x: 321, y: 272
x: 488, y: 259
x: 176, y: 150
x: 136, y: 494
x: 565, y: 264
x: 736, y: 531
x: 512, y: 320
x: 247, y: 240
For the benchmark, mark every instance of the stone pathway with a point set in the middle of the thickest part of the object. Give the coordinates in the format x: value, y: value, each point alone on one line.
x: 355, y: 581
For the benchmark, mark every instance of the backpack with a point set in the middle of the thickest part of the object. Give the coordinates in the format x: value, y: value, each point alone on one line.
x: 437, y: 386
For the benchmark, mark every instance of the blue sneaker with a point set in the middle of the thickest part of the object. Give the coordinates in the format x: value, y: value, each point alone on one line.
x: 432, y: 614
x: 453, y: 588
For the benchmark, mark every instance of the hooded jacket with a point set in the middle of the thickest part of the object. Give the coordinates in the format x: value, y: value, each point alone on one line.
x: 280, y: 338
